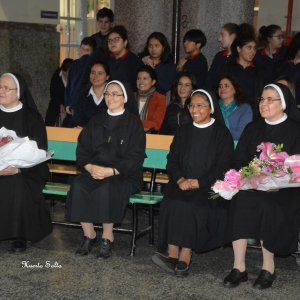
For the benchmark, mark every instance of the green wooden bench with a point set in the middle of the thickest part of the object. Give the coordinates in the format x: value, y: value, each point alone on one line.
x: 64, y: 142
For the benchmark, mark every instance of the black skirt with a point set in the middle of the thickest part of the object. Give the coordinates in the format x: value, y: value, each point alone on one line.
x: 23, y: 209
x: 189, y: 219
x: 273, y: 217
x: 98, y: 201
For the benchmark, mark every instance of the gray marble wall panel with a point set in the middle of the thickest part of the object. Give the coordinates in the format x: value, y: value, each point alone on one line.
x: 34, y: 55
x: 141, y: 17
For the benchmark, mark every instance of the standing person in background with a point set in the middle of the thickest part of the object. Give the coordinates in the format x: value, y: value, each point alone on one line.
x: 194, y: 40
x: 157, y: 54
x: 91, y: 101
x: 273, y: 51
x: 290, y: 65
x: 123, y: 64
x: 105, y: 18
x: 251, y: 76
x: 177, y: 113
x: 57, y: 92
x: 151, y: 104
x: 227, y: 35
x: 87, y: 46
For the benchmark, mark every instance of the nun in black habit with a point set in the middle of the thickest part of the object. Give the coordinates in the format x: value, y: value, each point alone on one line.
x: 272, y: 217
x: 199, y: 155
x: 110, y: 155
x: 24, y: 213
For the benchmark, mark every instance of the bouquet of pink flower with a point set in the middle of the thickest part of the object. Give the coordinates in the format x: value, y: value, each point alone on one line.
x: 274, y: 169
x: 20, y: 152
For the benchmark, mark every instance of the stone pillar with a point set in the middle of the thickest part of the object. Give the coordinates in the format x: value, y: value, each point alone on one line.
x: 142, y: 17
x: 31, y: 50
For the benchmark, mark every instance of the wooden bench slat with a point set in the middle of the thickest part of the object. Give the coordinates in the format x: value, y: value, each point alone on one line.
x: 63, y: 169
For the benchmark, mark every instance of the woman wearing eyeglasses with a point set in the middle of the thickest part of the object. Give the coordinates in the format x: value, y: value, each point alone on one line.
x: 234, y: 105
x: 177, y: 113
x: 110, y: 155
x: 24, y: 213
x: 123, y: 64
x: 273, y: 51
x: 273, y: 216
x: 199, y: 155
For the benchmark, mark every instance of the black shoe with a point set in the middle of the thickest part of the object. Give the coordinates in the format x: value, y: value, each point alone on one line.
x: 105, y: 250
x: 18, y: 245
x: 165, y: 262
x: 182, y: 269
x: 87, y: 245
x: 264, y: 280
x: 235, y: 277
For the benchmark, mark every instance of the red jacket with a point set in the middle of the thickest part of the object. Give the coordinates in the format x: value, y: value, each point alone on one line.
x: 156, y: 111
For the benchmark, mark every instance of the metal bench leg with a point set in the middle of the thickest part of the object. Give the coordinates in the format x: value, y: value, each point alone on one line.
x: 134, y: 228
x: 151, y: 224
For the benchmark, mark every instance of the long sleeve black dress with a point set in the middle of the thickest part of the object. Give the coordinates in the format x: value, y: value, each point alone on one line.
x: 273, y: 217
x: 188, y: 218
x: 108, y: 141
x: 23, y: 210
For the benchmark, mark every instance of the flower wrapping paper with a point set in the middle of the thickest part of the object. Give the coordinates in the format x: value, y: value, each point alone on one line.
x: 21, y: 152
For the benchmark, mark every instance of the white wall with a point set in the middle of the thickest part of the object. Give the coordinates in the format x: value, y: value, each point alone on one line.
x: 28, y: 11
x: 275, y: 11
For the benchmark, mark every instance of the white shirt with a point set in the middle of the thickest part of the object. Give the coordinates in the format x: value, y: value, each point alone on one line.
x: 96, y: 100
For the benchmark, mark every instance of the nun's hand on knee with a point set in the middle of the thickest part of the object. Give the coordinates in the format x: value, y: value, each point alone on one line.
x: 185, y: 185
x: 9, y: 171
x: 194, y: 183
x: 97, y: 172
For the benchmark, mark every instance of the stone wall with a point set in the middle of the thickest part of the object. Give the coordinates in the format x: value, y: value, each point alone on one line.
x: 31, y: 50
x: 141, y: 17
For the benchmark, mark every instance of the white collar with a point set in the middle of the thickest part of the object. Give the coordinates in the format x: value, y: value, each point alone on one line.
x: 212, y: 121
x: 10, y: 110
x: 115, y: 114
x: 96, y: 100
x: 278, y: 121
x: 63, y: 78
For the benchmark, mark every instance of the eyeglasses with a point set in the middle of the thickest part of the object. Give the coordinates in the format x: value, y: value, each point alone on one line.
x: 113, y: 95
x: 268, y: 100
x: 279, y: 36
x: 6, y: 89
x: 199, y: 106
x: 114, y: 40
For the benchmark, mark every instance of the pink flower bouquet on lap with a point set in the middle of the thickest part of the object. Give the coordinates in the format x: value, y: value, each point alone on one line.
x: 19, y: 152
x: 273, y: 169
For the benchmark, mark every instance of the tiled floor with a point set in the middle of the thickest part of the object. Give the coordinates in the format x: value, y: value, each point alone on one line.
x: 125, y: 277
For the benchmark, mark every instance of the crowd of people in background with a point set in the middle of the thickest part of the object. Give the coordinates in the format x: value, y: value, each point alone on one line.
x: 115, y: 96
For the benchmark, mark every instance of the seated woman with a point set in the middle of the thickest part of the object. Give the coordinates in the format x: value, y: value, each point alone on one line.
x: 90, y: 102
x: 199, y: 155
x: 177, y: 113
x: 110, y: 155
x: 234, y: 105
x: 157, y: 54
x: 24, y: 213
x: 271, y: 217
x: 57, y: 92
x: 151, y: 104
